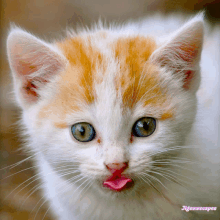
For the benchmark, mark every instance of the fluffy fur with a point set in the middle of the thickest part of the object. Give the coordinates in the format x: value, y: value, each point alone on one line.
x: 111, y: 77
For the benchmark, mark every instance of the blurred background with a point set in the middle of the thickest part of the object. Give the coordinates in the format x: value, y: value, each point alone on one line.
x: 46, y: 19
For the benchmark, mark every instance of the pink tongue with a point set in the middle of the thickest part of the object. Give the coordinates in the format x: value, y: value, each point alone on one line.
x: 117, y: 183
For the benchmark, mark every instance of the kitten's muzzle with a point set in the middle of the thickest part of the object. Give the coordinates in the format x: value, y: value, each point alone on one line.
x: 117, y: 167
x: 117, y: 181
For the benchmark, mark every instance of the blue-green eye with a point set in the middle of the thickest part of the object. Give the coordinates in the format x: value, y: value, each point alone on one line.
x: 83, y: 132
x: 144, y: 127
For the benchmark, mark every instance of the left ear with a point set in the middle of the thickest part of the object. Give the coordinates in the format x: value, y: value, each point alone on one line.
x: 181, y: 55
x: 34, y: 63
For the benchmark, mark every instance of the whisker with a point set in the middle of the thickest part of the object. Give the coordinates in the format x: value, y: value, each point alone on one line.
x: 17, y: 163
x: 45, y: 200
x: 171, y: 164
x: 163, y: 169
x: 18, y: 172
x: 153, y: 177
x: 152, y: 185
x: 35, y: 189
x: 167, y: 177
x: 39, y: 177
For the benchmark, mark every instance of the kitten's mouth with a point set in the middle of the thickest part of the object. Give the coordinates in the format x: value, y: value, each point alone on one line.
x: 118, y: 183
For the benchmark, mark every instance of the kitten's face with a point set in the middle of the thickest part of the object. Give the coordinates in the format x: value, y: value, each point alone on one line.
x: 111, y: 98
x: 114, y: 101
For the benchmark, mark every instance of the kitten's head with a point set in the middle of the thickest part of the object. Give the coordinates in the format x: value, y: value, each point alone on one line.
x: 108, y: 104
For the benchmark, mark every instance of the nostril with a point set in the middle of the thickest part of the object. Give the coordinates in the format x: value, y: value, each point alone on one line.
x: 112, y: 167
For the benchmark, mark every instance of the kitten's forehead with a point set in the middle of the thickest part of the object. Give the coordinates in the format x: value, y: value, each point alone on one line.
x: 109, y: 72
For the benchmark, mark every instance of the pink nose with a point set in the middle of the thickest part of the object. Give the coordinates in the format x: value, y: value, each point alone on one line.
x: 119, y: 167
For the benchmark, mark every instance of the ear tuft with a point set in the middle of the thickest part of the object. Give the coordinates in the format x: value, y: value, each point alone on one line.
x: 33, y: 63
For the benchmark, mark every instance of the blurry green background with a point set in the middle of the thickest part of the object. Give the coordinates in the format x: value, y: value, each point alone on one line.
x: 47, y: 19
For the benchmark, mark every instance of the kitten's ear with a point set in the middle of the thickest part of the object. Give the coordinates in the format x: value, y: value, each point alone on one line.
x: 182, y: 53
x: 34, y: 63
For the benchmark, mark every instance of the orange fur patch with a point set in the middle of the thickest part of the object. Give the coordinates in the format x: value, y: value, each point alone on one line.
x: 166, y: 115
x: 84, y: 58
x: 60, y: 125
x: 99, y: 141
x: 137, y: 79
x: 76, y: 83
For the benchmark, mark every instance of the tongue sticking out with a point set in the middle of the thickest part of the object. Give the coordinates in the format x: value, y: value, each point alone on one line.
x: 117, y: 183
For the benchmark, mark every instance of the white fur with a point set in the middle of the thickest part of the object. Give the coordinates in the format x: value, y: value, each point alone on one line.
x: 85, y: 198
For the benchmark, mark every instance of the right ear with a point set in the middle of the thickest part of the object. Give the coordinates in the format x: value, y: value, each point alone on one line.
x: 182, y: 53
x: 34, y: 63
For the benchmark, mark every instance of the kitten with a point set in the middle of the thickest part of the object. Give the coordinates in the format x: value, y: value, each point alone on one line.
x: 111, y: 116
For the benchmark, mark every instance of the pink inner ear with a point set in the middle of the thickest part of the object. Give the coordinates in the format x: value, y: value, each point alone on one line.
x: 29, y: 88
x: 29, y: 91
x: 190, y: 52
x: 25, y: 67
x: 34, y: 63
x: 22, y: 60
x: 188, y: 77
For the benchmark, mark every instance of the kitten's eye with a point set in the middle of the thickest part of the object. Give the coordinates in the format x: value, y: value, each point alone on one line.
x: 83, y: 132
x: 144, y: 127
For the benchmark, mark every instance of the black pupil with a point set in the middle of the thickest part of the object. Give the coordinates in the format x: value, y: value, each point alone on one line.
x: 145, y: 125
x: 82, y: 130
